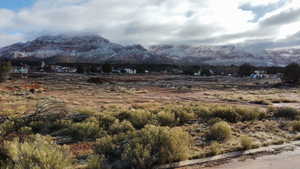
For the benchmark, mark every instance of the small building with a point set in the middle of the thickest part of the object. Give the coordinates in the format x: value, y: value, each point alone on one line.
x: 129, y: 71
x: 62, y: 69
x: 258, y: 74
x: 21, y: 69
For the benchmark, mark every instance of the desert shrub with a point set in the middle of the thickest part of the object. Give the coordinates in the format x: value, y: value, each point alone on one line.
x: 47, y: 127
x: 138, y: 118
x: 7, y: 127
x: 13, y: 125
x: 145, y: 148
x: 110, y: 146
x: 286, y: 112
x: 5, y: 68
x: 38, y: 153
x: 86, y: 130
x: 97, y: 162
x: 214, y: 120
x: 215, y: 148
x: 220, y: 131
x: 291, y: 73
x: 106, y: 120
x: 157, y: 145
x: 227, y: 113
x: 246, y: 142
x: 236, y: 114
x: 166, y: 118
x: 183, y: 114
x: 121, y: 127
x: 25, y: 130
x: 81, y: 115
x: 296, y: 125
x: 202, y: 111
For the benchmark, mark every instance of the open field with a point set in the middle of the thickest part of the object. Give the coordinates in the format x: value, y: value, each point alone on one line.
x: 101, y: 108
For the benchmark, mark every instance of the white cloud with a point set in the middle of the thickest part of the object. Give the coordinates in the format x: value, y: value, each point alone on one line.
x: 259, y: 2
x: 149, y: 22
x: 7, y: 39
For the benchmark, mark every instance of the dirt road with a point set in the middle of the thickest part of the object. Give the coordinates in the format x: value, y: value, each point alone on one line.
x: 286, y: 160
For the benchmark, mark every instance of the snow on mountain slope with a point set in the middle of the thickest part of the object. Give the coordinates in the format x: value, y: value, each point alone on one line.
x: 227, y: 55
x: 96, y: 49
x: 84, y: 48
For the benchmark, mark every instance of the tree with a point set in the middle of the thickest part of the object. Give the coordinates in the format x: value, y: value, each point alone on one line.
x: 291, y: 73
x: 107, y: 68
x: 206, y: 72
x: 5, y: 69
x: 246, y: 70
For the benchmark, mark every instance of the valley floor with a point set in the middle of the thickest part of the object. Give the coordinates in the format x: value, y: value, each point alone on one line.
x: 154, y: 93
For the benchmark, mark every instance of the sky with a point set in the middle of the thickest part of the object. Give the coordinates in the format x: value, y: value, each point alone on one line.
x: 253, y: 23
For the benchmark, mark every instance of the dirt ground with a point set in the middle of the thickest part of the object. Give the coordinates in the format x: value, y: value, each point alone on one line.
x: 75, y: 91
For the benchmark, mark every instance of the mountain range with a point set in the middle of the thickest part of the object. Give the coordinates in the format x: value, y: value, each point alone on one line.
x: 96, y: 49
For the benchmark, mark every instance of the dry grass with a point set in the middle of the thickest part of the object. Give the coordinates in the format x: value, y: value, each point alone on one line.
x: 106, y: 111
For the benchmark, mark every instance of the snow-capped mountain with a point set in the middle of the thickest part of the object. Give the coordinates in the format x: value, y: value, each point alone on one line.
x: 214, y: 55
x: 284, y: 56
x: 96, y: 49
x: 83, y: 48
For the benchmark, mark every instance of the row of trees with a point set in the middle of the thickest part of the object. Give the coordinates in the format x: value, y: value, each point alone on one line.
x: 290, y: 74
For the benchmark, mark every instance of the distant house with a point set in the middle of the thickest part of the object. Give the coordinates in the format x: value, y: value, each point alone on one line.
x: 258, y: 74
x: 62, y: 69
x: 204, y: 72
x: 129, y: 71
x: 21, y: 69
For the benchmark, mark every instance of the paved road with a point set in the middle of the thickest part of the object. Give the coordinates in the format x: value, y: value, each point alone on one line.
x: 286, y: 160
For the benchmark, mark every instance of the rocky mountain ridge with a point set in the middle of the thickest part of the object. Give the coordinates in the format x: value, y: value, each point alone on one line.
x: 96, y: 49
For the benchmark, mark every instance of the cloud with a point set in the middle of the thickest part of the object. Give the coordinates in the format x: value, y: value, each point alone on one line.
x: 7, y: 39
x: 152, y: 22
x: 284, y: 17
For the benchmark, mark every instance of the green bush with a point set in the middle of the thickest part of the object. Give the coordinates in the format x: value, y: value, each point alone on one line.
x: 86, y: 130
x: 183, y: 114
x: 105, y: 120
x: 166, y: 118
x: 145, y: 148
x: 296, y: 126
x: 286, y: 112
x: 235, y: 114
x: 97, y: 162
x: 7, y: 127
x: 202, y: 111
x: 246, y: 142
x: 37, y: 153
x: 138, y: 118
x: 107, y: 146
x: 157, y: 145
x: 214, y: 120
x: 215, y: 148
x: 220, y: 131
x: 121, y: 127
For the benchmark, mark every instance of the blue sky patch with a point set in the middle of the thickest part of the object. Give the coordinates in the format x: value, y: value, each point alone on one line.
x: 260, y: 11
x: 15, y: 4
